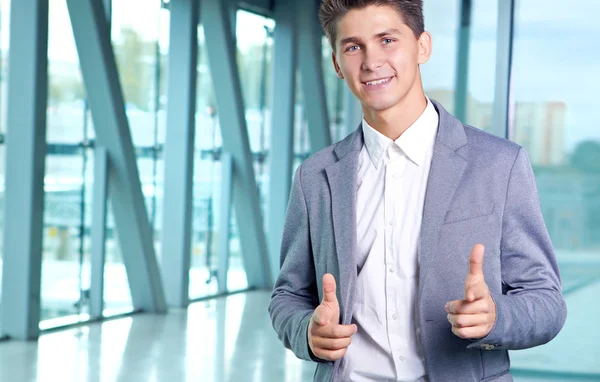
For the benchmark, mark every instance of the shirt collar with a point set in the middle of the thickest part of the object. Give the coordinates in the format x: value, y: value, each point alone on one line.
x: 415, y: 142
x: 376, y: 143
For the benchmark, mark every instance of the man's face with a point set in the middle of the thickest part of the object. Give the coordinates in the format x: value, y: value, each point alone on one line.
x: 378, y: 55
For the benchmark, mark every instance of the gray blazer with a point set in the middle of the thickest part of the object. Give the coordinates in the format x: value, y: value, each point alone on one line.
x: 481, y: 189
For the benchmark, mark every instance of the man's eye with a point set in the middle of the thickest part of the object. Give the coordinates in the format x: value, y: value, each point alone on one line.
x: 388, y: 40
x: 352, y: 48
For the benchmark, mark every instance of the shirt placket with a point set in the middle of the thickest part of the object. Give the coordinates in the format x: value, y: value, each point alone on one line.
x: 392, y: 195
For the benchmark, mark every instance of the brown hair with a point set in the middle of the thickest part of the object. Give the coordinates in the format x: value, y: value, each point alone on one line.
x: 331, y: 11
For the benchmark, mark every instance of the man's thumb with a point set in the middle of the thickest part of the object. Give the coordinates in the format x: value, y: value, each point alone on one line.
x: 476, y: 260
x: 329, y: 289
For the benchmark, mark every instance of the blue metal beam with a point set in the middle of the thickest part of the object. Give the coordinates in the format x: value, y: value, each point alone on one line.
x: 179, y: 151
x: 99, y: 70
x: 233, y: 8
x: 25, y: 152
x: 230, y: 107
x: 98, y: 232
x: 108, y: 11
x: 282, y: 135
x: 462, y: 65
x: 224, y: 221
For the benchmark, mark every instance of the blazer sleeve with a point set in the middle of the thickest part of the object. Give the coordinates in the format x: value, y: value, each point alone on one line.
x: 295, y: 294
x: 531, y: 309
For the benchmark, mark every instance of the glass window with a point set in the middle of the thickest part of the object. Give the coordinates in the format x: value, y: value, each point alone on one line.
x: 117, y: 295
x: 65, y: 257
x: 439, y: 73
x: 482, y: 63
x: 254, y: 39
x: 4, y: 31
x: 141, y: 52
x: 254, y: 58
x: 301, y: 138
x: 555, y: 74
x: 206, y: 189
x: 334, y: 91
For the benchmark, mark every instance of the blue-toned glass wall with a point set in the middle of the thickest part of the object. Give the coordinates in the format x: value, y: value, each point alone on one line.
x: 254, y: 40
x: 141, y: 57
x: 207, y: 176
x: 446, y: 77
x: 141, y: 47
x: 553, y: 115
x: 481, y: 70
x: 254, y: 55
x: 68, y: 180
x: 439, y: 73
x: 334, y: 92
x: 301, y: 139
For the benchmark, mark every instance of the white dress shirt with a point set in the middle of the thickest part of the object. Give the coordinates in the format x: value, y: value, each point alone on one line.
x: 391, y: 182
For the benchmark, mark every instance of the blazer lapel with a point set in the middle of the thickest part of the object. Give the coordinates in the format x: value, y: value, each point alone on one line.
x: 447, y: 167
x: 342, y: 183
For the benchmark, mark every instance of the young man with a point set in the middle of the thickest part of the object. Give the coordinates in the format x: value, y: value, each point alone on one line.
x: 383, y: 275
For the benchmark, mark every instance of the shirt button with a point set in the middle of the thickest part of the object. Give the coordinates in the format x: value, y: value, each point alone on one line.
x: 392, y: 269
x: 395, y: 316
x: 391, y: 222
x: 401, y: 358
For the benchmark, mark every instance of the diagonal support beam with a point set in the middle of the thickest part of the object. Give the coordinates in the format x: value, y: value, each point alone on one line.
x: 25, y: 152
x: 215, y: 17
x: 311, y: 73
x: 101, y: 167
x: 179, y: 151
x: 282, y: 137
x: 98, y: 66
x: 462, y: 65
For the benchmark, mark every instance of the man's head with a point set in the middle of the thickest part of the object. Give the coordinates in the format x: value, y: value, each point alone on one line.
x: 331, y: 11
x: 377, y: 48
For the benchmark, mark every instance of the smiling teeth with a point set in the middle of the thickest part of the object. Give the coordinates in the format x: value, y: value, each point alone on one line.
x: 378, y: 82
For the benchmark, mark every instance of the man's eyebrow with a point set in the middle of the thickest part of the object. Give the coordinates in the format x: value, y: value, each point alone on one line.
x: 387, y: 32
x: 356, y: 40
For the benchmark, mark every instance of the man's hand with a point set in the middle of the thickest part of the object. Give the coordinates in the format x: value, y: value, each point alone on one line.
x: 473, y: 317
x: 328, y: 339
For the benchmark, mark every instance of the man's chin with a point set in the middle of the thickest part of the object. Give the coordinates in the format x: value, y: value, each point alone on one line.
x: 379, y: 106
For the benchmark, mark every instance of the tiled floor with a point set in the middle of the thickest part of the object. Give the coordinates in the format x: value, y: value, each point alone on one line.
x: 225, y: 340
x: 219, y: 340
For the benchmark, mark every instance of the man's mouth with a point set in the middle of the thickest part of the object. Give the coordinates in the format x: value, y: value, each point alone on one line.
x: 378, y: 82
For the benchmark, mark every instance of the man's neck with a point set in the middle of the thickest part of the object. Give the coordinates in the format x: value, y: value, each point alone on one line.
x: 393, y: 122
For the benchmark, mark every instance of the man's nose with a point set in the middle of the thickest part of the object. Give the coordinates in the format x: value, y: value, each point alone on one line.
x: 372, y: 61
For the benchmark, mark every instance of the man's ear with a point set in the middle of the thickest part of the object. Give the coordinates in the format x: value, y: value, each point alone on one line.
x: 338, y: 70
x: 425, y: 46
